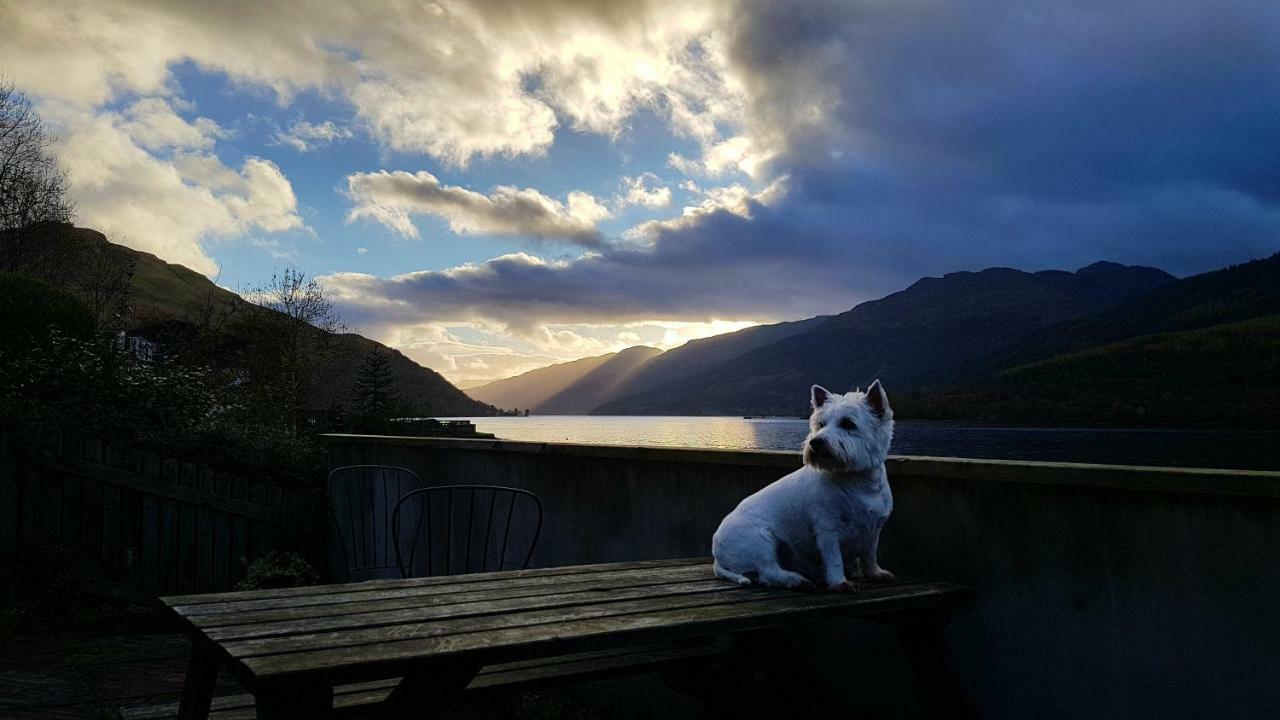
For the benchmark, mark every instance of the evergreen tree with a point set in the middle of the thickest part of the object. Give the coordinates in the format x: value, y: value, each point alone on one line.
x: 375, y: 388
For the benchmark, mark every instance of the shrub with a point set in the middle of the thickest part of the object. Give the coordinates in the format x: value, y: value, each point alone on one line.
x: 278, y: 569
x: 90, y: 386
x: 56, y: 372
x: 30, y: 307
x: 49, y: 581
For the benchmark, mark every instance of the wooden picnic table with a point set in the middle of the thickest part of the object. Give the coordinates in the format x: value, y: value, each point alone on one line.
x: 292, y: 647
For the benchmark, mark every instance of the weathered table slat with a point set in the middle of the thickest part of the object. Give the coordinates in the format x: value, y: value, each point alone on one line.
x: 655, y: 622
x: 506, y: 576
x: 236, y: 613
x: 309, y: 640
x: 452, y: 626
x: 447, y: 620
x: 408, y: 613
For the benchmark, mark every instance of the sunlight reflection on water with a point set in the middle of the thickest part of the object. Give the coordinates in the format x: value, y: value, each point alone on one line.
x: 697, y: 432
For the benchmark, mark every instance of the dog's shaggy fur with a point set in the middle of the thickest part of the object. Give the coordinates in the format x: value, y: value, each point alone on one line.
x: 812, y: 527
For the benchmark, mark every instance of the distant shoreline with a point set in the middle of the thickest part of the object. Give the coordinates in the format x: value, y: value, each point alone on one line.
x: 951, y: 422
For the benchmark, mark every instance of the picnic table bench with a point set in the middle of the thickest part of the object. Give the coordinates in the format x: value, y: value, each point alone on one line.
x: 412, y: 646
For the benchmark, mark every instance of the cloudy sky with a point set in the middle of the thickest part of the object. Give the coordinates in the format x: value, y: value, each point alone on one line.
x: 493, y: 186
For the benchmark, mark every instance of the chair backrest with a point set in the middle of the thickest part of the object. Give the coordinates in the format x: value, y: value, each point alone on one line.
x: 454, y: 529
x: 362, y: 499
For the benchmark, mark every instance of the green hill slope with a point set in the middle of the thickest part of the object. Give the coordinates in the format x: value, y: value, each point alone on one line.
x: 163, y: 290
x: 165, y: 293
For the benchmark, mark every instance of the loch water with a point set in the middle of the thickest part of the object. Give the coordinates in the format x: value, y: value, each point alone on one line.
x: 1205, y: 448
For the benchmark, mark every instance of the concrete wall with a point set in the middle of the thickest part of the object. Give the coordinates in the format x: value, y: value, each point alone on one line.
x: 1100, y: 591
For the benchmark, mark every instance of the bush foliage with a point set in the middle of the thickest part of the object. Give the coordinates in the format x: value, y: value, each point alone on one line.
x: 30, y: 307
x: 55, y: 372
x: 278, y: 569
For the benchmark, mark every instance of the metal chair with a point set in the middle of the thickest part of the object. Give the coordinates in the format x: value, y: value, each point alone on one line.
x: 362, y: 499
x: 472, y: 522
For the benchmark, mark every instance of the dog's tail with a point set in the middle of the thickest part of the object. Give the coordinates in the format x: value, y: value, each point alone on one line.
x: 730, y: 576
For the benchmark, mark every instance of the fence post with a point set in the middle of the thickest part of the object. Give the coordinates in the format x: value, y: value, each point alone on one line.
x: 10, y: 476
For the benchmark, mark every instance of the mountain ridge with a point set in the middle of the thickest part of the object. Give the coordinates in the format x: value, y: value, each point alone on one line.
x: 565, y: 388
x: 924, y: 336
x: 912, y: 338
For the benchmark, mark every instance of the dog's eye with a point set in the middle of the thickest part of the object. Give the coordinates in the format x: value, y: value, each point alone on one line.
x: 847, y: 424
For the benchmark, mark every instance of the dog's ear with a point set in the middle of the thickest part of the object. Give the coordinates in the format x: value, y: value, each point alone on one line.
x: 876, y: 399
x: 819, y: 395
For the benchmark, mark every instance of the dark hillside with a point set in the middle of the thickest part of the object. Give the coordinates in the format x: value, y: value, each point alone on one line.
x: 1227, y: 374
x: 665, y: 372
x: 1233, y: 294
x: 912, y: 339
x: 600, y: 383
x: 168, y: 301
x: 530, y: 390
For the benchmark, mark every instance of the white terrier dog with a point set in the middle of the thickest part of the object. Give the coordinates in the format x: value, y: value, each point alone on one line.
x: 810, y: 527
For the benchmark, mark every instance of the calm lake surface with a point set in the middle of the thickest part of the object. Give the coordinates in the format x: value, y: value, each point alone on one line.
x: 1253, y: 450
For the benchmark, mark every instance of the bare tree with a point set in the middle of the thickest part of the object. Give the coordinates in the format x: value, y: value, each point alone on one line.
x: 32, y: 187
x: 292, y: 294
x: 35, y: 209
x: 104, y: 281
x: 291, y: 330
x: 215, y: 311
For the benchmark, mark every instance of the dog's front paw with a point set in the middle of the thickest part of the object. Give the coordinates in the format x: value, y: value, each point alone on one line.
x: 848, y: 586
x: 881, y: 575
x: 802, y: 585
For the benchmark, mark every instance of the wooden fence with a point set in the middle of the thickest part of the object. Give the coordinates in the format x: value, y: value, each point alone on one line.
x: 157, y: 524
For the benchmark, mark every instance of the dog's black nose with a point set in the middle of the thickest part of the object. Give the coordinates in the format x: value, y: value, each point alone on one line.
x: 818, y: 444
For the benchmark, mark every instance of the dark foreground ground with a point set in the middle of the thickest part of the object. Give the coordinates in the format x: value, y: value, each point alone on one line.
x: 88, y: 667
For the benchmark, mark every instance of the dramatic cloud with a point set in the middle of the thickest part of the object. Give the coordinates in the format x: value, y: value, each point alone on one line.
x: 941, y: 136
x: 304, y: 136
x: 736, y: 198
x: 739, y: 153
x: 636, y: 191
x: 391, y: 197
x: 725, y: 267
x: 450, y: 79
x: 154, y: 124
x: 166, y: 203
